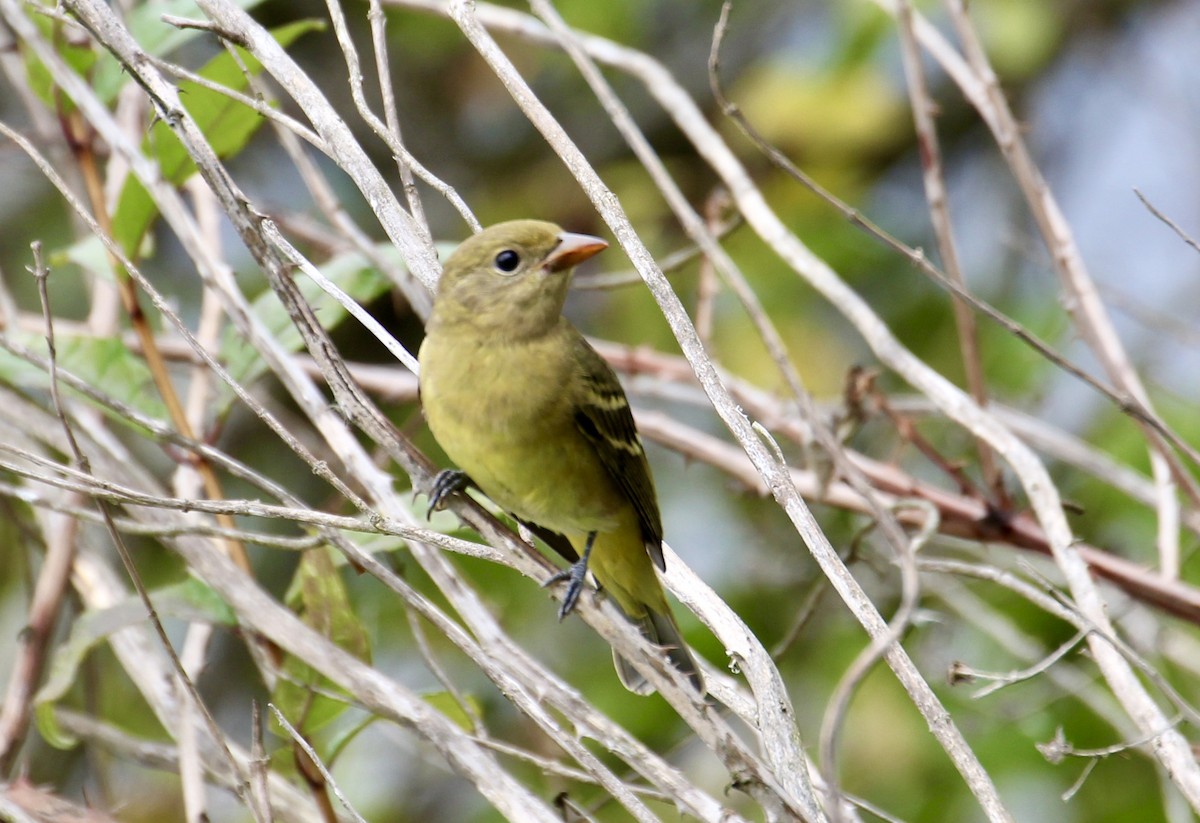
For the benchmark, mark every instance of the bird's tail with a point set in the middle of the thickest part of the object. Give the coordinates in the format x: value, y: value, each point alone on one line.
x: 660, y: 629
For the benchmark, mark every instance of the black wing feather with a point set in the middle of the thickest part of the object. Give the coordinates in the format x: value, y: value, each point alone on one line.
x: 602, y: 413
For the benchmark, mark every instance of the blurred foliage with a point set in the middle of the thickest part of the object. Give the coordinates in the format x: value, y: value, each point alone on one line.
x: 822, y: 82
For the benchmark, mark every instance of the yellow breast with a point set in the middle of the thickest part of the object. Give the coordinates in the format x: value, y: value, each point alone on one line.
x: 501, y: 415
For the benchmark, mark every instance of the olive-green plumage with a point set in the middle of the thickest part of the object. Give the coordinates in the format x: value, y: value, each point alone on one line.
x: 538, y: 421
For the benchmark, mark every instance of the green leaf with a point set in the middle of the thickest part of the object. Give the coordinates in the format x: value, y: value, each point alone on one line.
x: 320, y: 597
x: 155, y: 36
x: 351, y: 272
x: 89, y: 254
x: 337, y: 742
x: 446, y: 703
x: 110, y: 364
x: 104, y: 362
x: 105, y: 73
x: 190, y: 600
x: 78, y: 54
x: 15, y: 371
x: 226, y: 123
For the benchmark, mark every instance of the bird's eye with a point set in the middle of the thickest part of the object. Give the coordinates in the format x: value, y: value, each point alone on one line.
x: 507, y: 261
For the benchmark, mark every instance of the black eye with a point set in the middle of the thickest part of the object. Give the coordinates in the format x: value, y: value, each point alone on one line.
x: 507, y: 261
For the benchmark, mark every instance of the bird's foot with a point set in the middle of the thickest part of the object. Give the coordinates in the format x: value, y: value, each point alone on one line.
x: 575, y: 575
x: 447, y: 482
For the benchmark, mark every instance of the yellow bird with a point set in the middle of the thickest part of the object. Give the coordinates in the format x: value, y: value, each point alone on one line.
x: 538, y: 421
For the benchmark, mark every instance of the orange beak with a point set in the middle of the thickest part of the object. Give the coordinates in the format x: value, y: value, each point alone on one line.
x: 573, y: 249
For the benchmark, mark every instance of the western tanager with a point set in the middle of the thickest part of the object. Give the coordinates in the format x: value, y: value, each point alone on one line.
x: 537, y: 420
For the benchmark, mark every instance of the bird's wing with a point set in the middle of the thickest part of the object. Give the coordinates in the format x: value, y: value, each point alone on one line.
x: 553, y: 539
x: 602, y: 414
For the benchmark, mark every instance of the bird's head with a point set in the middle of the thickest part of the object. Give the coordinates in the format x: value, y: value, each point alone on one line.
x: 511, y: 279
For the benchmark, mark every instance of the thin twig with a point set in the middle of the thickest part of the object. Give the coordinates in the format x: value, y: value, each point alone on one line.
x: 1124, y: 402
x: 391, y: 137
x: 383, y: 72
x: 708, y: 286
x: 50, y: 589
x: 84, y: 468
x: 839, y: 701
x: 923, y: 109
x: 1005, y: 679
x: 1175, y: 227
x: 315, y: 759
x: 1083, y: 303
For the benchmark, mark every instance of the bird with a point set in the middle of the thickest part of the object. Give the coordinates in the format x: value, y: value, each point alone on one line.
x: 535, y: 419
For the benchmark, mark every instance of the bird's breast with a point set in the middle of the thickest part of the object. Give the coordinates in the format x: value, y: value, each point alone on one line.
x: 494, y: 389
x: 504, y: 415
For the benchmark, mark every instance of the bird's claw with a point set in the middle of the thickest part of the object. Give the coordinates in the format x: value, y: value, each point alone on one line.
x: 575, y: 575
x: 447, y: 482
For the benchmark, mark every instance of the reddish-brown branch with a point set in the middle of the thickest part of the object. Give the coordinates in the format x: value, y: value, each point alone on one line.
x: 964, y: 516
